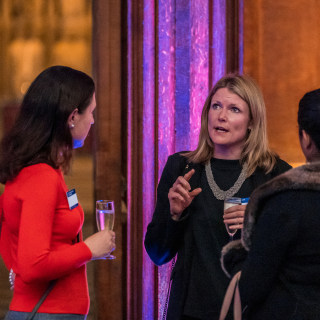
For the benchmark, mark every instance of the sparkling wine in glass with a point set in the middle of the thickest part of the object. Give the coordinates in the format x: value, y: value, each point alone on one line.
x: 230, y: 202
x: 105, y: 217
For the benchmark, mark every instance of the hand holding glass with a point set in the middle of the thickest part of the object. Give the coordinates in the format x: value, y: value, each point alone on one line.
x: 105, y: 217
x: 230, y: 202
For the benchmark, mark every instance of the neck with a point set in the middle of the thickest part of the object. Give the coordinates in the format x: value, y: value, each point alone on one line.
x: 314, y: 157
x: 226, y: 153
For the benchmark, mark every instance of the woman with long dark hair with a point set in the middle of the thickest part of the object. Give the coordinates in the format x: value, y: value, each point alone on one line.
x: 41, y: 240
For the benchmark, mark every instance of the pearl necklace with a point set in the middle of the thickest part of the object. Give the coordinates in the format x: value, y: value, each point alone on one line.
x: 217, y: 192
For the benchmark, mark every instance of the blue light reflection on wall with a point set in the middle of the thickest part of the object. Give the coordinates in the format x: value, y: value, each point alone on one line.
x: 182, y: 67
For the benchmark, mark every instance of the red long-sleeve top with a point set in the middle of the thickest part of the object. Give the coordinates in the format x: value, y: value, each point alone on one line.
x: 39, y: 242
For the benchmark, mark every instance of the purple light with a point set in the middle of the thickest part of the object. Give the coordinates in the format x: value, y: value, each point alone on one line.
x: 148, y: 162
x: 166, y: 82
x: 166, y: 111
x: 182, y: 68
x: 199, y: 66
x: 219, y: 53
x: 191, y: 53
x: 241, y: 13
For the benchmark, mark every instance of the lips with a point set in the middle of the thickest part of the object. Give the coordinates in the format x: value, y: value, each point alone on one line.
x: 221, y: 129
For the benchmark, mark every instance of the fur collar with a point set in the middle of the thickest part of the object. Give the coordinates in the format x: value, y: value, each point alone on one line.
x: 303, y: 177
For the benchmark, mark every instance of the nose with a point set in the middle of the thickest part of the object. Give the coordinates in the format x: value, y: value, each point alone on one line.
x: 222, y: 114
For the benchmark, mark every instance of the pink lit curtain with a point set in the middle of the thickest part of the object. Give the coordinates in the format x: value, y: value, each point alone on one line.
x: 184, y: 53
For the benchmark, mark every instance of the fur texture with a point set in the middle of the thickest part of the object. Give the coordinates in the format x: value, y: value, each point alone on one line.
x: 228, y: 253
x: 306, y: 177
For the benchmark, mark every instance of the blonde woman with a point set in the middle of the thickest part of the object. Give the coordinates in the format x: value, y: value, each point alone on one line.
x: 231, y: 160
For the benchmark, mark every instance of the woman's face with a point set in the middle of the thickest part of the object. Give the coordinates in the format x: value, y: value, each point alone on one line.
x: 228, y: 123
x: 82, y: 123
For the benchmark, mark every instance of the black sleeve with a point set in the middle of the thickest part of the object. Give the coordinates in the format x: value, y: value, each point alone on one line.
x: 164, y: 235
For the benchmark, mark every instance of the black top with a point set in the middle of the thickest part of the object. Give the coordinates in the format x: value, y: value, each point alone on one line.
x: 199, y: 283
x: 207, y: 280
x: 280, y: 278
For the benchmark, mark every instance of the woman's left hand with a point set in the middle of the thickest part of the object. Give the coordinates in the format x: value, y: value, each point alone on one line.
x: 233, y: 216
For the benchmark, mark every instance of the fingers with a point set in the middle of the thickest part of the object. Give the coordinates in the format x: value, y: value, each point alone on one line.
x: 184, y: 180
x: 181, y: 181
x: 236, y: 223
x: 101, y: 243
x: 195, y: 192
x: 178, y: 192
x: 181, y: 191
x: 180, y: 195
x: 234, y: 216
x: 234, y: 212
x: 189, y: 174
x: 181, y: 187
x: 179, y: 199
x: 113, y: 235
x: 240, y: 208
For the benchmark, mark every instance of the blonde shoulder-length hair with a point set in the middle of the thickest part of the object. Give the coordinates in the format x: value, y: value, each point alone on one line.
x: 256, y: 152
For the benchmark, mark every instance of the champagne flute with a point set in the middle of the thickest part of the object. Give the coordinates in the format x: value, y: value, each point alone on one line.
x: 230, y: 202
x: 105, y: 217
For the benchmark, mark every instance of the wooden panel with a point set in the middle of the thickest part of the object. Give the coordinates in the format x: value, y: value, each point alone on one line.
x: 232, y: 34
x: 135, y: 153
x: 281, y: 50
x: 109, y: 275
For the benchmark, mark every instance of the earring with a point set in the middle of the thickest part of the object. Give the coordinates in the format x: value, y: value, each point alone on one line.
x: 71, y: 126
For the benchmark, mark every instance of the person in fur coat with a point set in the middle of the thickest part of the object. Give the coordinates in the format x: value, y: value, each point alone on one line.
x: 280, y: 275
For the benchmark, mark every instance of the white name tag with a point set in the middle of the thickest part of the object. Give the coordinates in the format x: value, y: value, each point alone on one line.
x: 72, y: 199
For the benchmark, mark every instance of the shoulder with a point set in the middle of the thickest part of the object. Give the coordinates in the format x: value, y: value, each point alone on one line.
x: 290, y: 206
x: 179, y: 163
x: 178, y: 157
x: 174, y: 167
x: 262, y: 175
x: 293, y: 199
x: 176, y: 162
x: 38, y: 175
x: 40, y: 169
x: 280, y: 166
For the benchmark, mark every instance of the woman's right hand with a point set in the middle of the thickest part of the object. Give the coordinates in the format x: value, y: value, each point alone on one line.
x: 101, y: 244
x: 180, y: 196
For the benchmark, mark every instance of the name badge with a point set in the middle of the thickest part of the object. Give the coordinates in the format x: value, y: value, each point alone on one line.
x: 72, y: 199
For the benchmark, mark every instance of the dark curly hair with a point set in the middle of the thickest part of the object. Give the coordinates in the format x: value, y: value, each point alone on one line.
x: 41, y: 133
